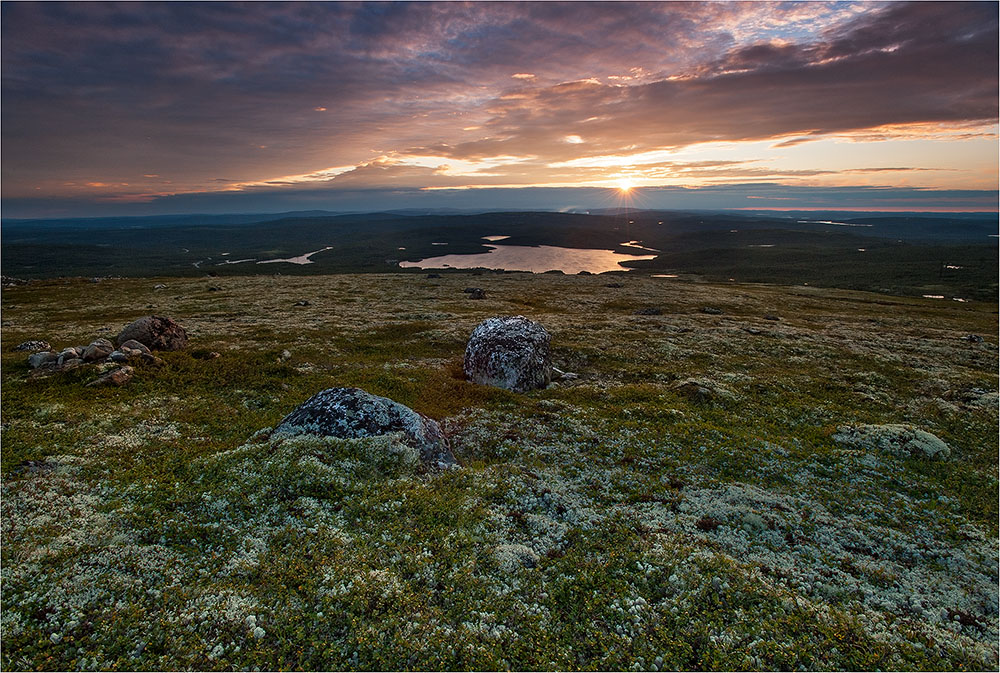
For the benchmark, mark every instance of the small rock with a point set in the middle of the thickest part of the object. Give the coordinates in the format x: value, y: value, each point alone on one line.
x: 98, y: 349
x: 753, y: 330
x: 36, y: 360
x: 33, y: 346
x: 477, y: 294
x: 156, y: 332
x: 771, y: 316
x: 215, y: 288
x: 71, y: 363
x: 301, y: 302
x: 898, y: 439
x: 433, y: 275
x: 132, y: 344
x: 614, y: 285
x: 118, y: 356
x: 285, y: 355
x: 352, y: 413
x: 973, y: 338
x: 509, y: 352
x: 711, y: 311
x: 116, y: 377
x: 648, y: 311
x: 159, y: 286
x: 696, y: 391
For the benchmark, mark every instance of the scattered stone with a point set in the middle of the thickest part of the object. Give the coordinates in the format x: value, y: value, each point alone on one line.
x: 696, y: 391
x: 614, y: 285
x: 215, y: 288
x: 973, y: 338
x: 711, y: 310
x: 98, y: 349
x: 116, y: 377
x: 648, y: 311
x: 301, y: 302
x: 433, y: 275
x: 509, y: 352
x: 771, y: 316
x: 477, y: 293
x: 753, y: 330
x: 159, y: 286
x: 71, y: 363
x: 285, y: 355
x: 132, y: 344
x: 352, y: 413
x: 897, y: 439
x: 70, y: 353
x: 8, y: 281
x: 156, y: 332
x: 512, y: 557
x: 118, y: 356
x: 36, y: 360
x: 33, y: 346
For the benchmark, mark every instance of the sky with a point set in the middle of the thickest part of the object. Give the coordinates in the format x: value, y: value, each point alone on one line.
x: 153, y: 108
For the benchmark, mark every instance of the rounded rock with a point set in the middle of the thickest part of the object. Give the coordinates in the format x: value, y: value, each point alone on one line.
x: 509, y: 352
x: 98, y: 349
x: 897, y: 439
x: 352, y: 413
x: 155, y: 332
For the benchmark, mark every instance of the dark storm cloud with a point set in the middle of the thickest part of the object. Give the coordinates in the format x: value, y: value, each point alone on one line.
x: 920, y: 63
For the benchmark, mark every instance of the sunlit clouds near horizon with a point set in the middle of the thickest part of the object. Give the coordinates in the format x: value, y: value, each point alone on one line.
x: 171, y: 107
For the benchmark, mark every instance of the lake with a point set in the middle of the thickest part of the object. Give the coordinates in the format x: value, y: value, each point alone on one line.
x: 534, y: 258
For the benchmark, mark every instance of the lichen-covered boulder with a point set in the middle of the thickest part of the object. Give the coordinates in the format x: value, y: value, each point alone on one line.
x: 352, y: 413
x: 155, y: 332
x: 509, y: 352
x: 900, y: 440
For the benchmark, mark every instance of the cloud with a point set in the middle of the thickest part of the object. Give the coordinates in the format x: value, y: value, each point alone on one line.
x: 109, y: 93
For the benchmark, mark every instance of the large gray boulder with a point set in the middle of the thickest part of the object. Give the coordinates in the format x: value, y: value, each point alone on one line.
x: 155, y: 332
x: 352, y: 413
x: 509, y: 352
x: 897, y: 439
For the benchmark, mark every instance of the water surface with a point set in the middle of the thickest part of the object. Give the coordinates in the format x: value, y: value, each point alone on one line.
x: 534, y: 258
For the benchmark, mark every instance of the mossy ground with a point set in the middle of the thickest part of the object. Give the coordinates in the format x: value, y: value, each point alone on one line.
x: 151, y: 527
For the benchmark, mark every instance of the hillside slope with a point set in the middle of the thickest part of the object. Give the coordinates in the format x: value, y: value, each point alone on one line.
x: 618, y: 520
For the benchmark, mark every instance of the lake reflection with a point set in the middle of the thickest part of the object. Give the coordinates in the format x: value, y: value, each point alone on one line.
x: 536, y: 258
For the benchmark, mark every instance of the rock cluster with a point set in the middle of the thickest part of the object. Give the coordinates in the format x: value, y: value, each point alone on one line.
x: 352, y: 413
x: 134, y: 344
x: 509, y: 352
x: 897, y: 439
x: 156, y: 332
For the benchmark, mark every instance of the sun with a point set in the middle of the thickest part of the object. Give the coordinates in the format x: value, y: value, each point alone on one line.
x: 625, y: 185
